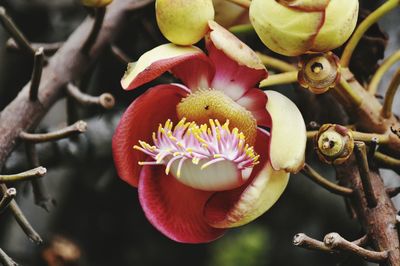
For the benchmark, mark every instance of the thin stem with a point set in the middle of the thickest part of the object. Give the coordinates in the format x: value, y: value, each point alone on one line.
x: 384, y: 67
x: 393, y: 191
x: 49, y: 48
x: 242, y: 3
x: 280, y: 65
x: 120, y: 55
x: 279, y: 79
x: 309, y: 172
x: 390, y: 93
x: 363, y: 27
x: 106, y: 100
x: 363, y: 168
x: 8, y: 196
x: 6, y: 260
x: 241, y: 29
x: 335, y: 241
x: 27, y: 175
x: 348, y: 92
x: 98, y: 22
x: 42, y: 198
x: 21, y: 220
x: 371, y: 137
x: 387, y: 161
x: 36, y: 74
x: 13, y: 30
x: 72, y: 130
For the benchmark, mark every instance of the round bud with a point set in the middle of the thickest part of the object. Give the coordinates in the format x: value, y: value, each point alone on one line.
x: 295, y: 27
x: 184, y: 22
x: 334, y: 143
x: 319, y: 72
x: 96, y: 3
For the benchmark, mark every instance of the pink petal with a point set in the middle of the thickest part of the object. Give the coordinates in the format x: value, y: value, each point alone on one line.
x: 187, y: 63
x: 174, y: 209
x: 138, y: 122
x: 255, y: 101
x: 242, y: 205
x: 237, y: 67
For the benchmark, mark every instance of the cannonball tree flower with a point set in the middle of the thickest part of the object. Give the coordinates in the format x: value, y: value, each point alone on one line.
x: 213, y: 152
x: 294, y: 27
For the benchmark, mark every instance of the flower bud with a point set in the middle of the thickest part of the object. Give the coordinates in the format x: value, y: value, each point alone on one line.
x: 319, y: 72
x: 96, y: 3
x: 295, y: 27
x: 184, y: 22
x: 228, y: 14
x: 334, y: 143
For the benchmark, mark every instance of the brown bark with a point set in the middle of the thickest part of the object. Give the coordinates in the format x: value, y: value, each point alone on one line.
x: 379, y: 222
x: 68, y: 64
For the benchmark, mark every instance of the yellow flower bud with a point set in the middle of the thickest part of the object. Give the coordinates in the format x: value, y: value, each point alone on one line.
x: 295, y: 27
x: 96, y: 3
x: 184, y: 22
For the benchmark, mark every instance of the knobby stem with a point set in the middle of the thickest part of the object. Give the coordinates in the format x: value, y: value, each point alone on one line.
x: 363, y: 27
x: 242, y: 3
x: 390, y: 93
x: 279, y: 79
x: 384, y: 67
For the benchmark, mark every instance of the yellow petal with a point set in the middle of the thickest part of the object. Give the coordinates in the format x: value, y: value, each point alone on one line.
x: 162, y: 52
x: 184, y: 22
x: 284, y: 30
x: 228, y: 14
x: 337, y: 29
x: 256, y: 199
x: 288, y: 135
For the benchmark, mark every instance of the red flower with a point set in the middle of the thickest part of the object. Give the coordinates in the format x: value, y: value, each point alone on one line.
x: 218, y: 167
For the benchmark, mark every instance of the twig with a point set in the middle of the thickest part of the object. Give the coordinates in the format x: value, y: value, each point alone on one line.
x: 384, y: 67
x: 8, y: 196
x: 13, y: 30
x: 390, y: 93
x: 304, y: 241
x: 21, y: 220
x: 279, y: 79
x: 393, y: 191
x: 106, y: 100
x: 49, y: 48
x: 6, y: 260
x: 373, y: 146
x: 36, y: 74
x: 387, y: 161
x: 363, y: 167
x: 72, y: 130
x: 345, y: 89
x: 309, y: 172
x: 271, y: 62
x: 120, y: 55
x: 98, y: 22
x: 363, y: 27
x: 335, y: 241
x: 42, y: 198
x: 27, y: 175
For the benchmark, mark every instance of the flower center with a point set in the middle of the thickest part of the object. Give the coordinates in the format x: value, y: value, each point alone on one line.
x: 206, y: 104
x: 207, y: 157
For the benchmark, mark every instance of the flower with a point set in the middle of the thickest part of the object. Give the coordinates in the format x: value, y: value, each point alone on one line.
x: 229, y: 14
x: 294, y: 27
x: 184, y: 22
x: 213, y: 153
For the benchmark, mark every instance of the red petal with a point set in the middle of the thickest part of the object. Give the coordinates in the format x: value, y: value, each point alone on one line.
x: 173, y: 208
x: 237, y: 67
x: 138, y: 122
x: 187, y: 63
x: 255, y: 101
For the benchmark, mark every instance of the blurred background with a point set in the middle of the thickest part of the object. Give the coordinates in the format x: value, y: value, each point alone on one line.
x: 97, y: 219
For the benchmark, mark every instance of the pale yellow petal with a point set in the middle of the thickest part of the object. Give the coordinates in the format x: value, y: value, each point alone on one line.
x: 289, y: 137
